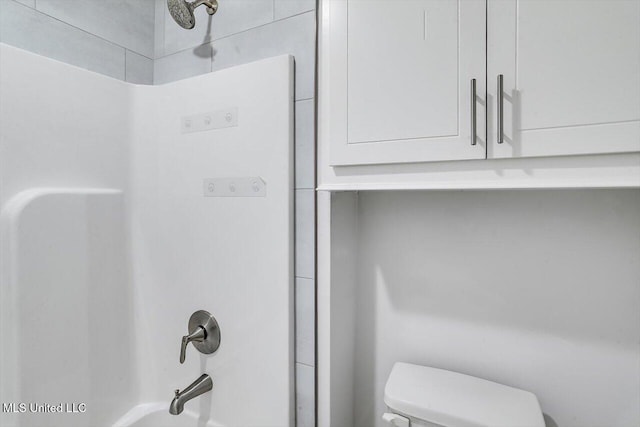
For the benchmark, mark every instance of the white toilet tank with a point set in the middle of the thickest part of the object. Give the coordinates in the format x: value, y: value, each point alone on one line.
x: 420, y: 396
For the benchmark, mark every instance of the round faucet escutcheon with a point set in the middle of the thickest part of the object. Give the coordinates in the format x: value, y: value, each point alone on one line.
x: 204, y: 333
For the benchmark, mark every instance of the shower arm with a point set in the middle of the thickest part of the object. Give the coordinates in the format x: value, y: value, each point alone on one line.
x: 212, y: 6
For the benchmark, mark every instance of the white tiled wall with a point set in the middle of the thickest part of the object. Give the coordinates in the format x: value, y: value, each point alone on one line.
x: 294, y: 35
x: 286, y: 8
x: 109, y: 37
x: 126, y: 23
x: 305, y: 144
x: 305, y: 395
x: 233, y: 17
x: 137, y: 41
x: 138, y: 68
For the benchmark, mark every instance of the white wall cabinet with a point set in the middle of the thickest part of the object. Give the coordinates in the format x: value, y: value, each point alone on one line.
x: 395, y: 79
x: 571, y: 77
x: 400, y: 85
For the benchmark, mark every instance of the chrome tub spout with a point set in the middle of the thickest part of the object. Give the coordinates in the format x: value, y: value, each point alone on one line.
x: 198, y: 387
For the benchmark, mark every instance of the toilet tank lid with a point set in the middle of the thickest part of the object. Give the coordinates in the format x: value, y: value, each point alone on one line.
x: 457, y: 400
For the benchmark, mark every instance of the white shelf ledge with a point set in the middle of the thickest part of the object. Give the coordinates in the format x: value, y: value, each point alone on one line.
x: 592, y: 171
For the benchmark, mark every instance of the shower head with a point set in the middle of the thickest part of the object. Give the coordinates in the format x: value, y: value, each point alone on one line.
x: 182, y: 11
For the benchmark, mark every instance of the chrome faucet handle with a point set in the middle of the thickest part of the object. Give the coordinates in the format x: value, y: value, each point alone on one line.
x: 204, y: 333
x: 198, y: 335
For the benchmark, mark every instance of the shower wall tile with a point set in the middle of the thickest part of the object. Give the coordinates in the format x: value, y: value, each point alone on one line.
x: 305, y: 402
x: 139, y: 69
x: 188, y: 63
x: 305, y: 233
x: 305, y: 144
x: 295, y: 36
x: 30, y: 3
x: 158, y: 43
x: 286, y: 8
x: 240, y: 15
x: 128, y: 23
x: 233, y: 16
x: 28, y: 29
x: 305, y: 321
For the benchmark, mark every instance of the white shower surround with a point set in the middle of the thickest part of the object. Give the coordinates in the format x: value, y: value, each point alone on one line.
x: 77, y: 136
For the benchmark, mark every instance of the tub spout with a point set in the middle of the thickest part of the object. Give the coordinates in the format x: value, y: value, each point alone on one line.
x: 198, y: 387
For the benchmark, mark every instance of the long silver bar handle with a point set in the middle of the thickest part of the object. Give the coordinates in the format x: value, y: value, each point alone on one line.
x: 500, y: 110
x: 473, y: 111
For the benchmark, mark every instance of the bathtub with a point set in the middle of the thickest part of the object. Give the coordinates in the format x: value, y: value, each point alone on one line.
x: 156, y: 414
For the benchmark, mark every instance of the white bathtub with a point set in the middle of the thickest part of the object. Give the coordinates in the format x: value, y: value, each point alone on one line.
x: 157, y: 414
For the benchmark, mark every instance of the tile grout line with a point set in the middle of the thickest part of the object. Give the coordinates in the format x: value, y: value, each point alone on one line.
x: 164, y: 32
x: 235, y: 34
x: 35, y: 9
x: 305, y: 364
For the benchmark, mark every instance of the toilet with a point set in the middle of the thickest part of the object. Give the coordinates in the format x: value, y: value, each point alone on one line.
x: 420, y: 396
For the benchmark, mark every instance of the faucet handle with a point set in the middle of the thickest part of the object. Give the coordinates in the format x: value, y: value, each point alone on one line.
x: 203, y: 332
x: 197, y: 335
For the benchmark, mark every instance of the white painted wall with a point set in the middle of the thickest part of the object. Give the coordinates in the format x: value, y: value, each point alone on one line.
x: 344, y: 299
x: 539, y: 290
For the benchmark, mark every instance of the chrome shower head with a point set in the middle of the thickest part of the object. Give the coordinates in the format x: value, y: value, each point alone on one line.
x: 182, y: 11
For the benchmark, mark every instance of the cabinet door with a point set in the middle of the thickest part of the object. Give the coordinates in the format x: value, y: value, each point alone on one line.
x: 399, y: 80
x: 571, y: 76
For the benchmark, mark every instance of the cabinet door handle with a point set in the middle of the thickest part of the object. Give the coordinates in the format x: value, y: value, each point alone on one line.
x: 500, y: 111
x: 473, y: 111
